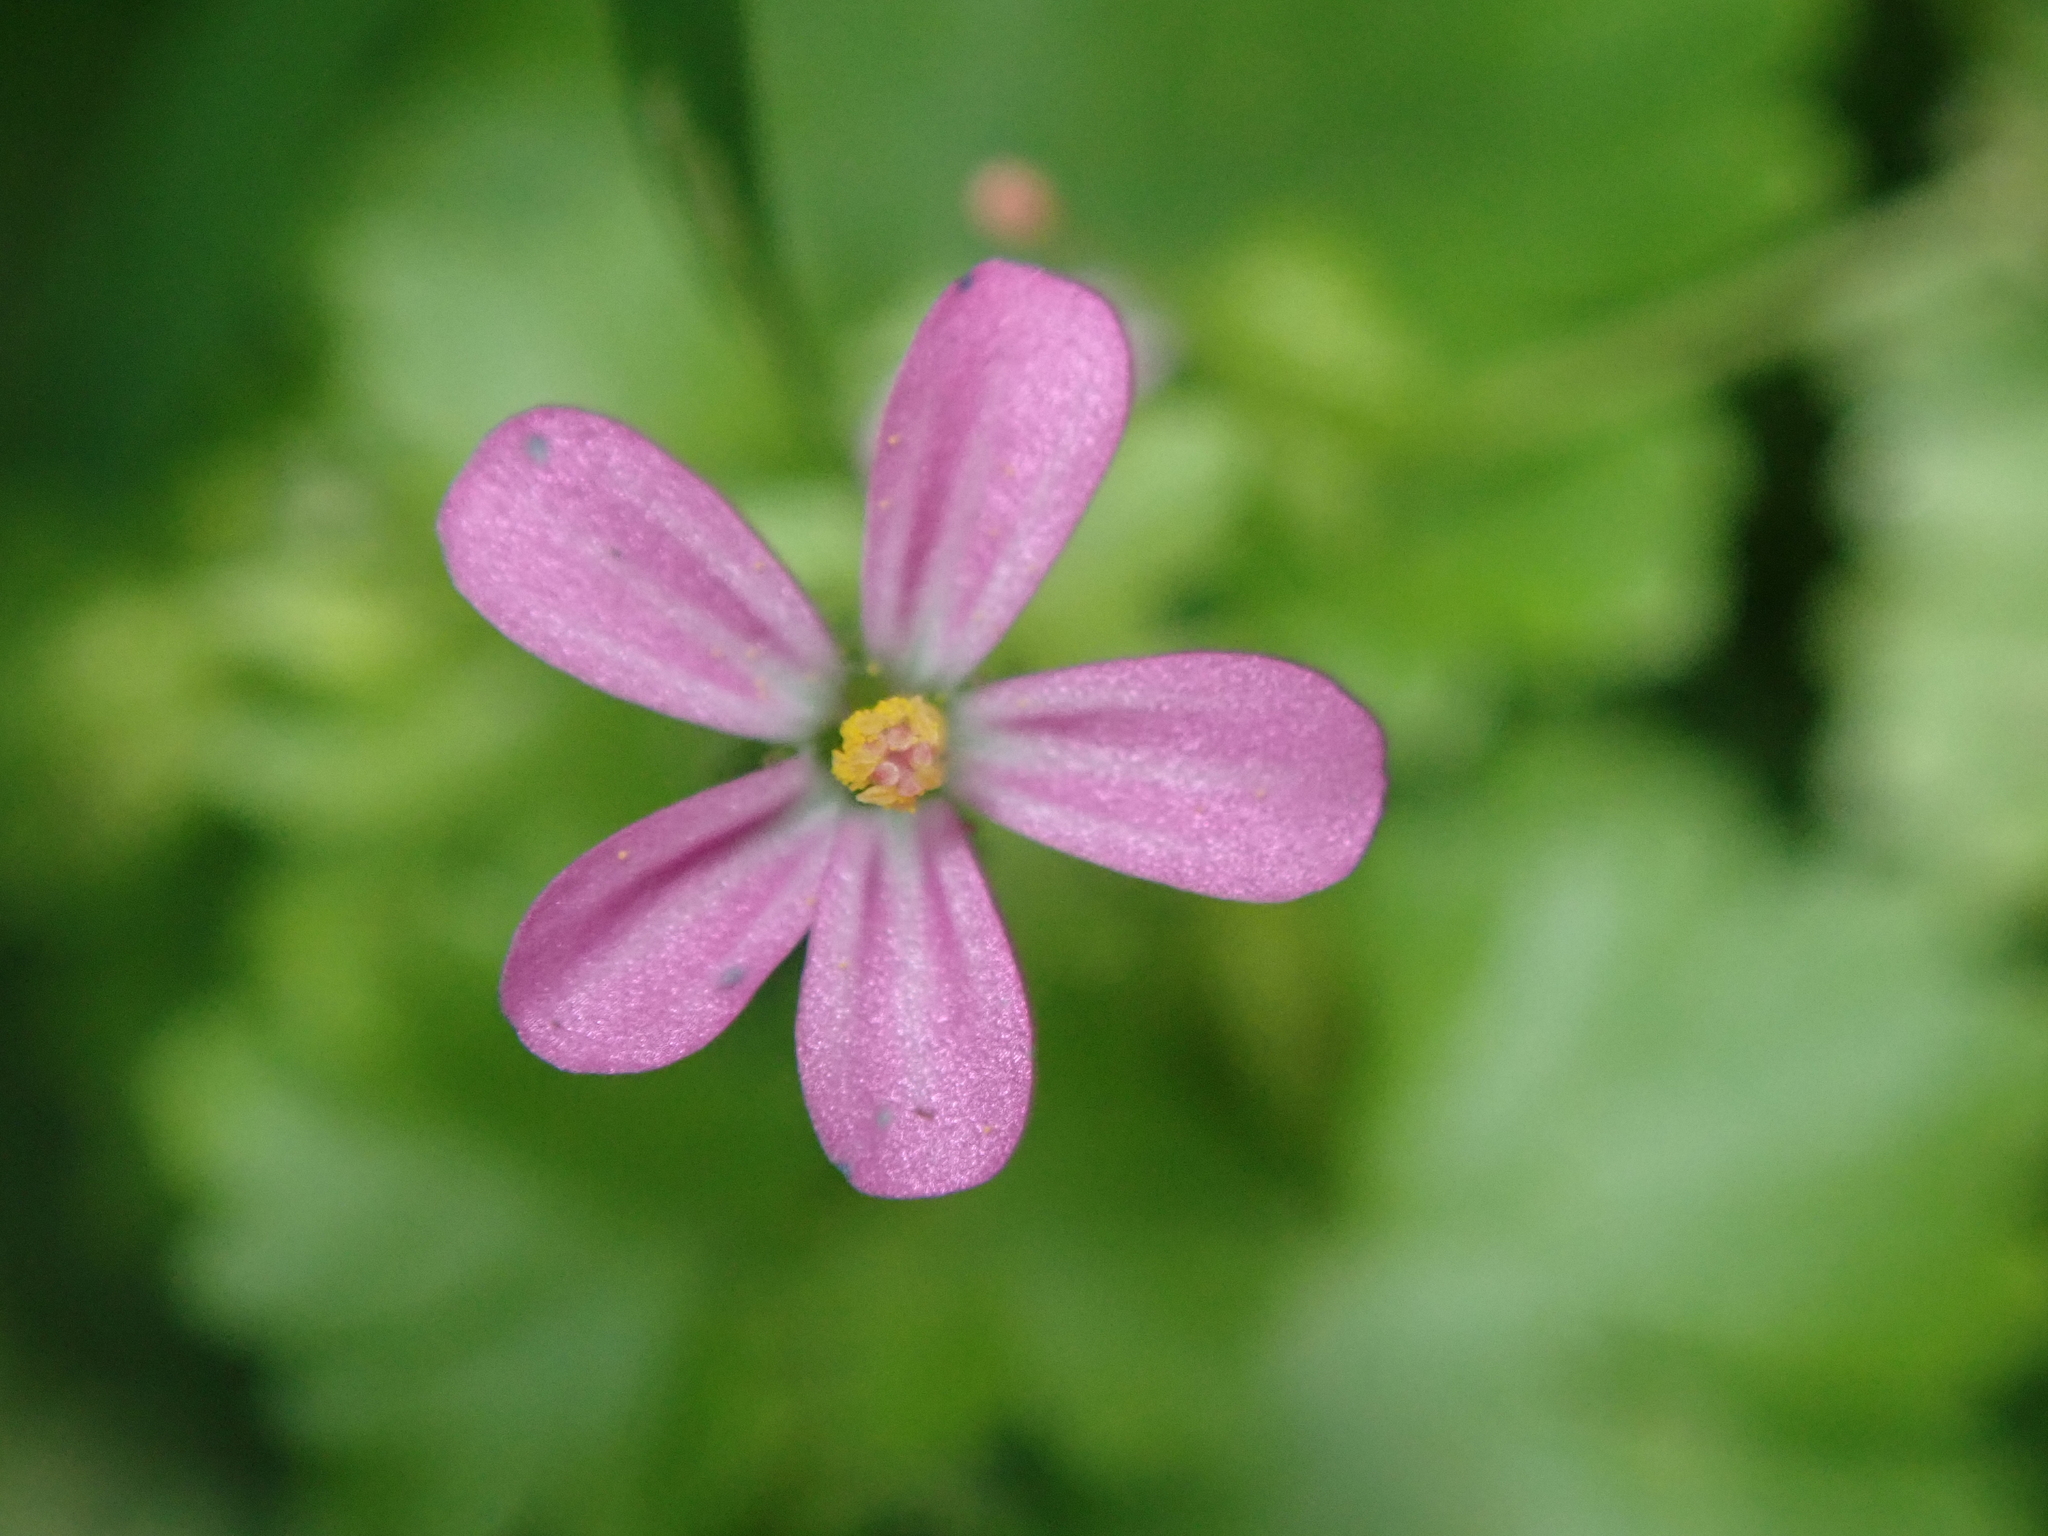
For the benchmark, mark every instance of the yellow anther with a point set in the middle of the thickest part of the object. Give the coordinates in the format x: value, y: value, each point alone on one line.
x: 892, y: 754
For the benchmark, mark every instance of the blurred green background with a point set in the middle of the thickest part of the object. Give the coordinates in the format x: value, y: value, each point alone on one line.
x: 1643, y: 404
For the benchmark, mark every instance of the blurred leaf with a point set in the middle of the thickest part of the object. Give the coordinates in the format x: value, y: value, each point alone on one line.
x: 166, y: 297
x: 1516, y: 171
x: 504, y: 245
x: 66, y: 1470
x: 1305, y: 319
x: 1939, y: 635
x: 814, y: 527
x: 465, y: 1345
x: 1439, y: 587
x: 841, y: 1361
x: 1702, y: 1189
x: 1155, y: 536
x: 216, y: 692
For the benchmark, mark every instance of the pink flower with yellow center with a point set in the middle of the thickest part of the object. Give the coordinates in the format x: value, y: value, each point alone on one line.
x: 1235, y: 776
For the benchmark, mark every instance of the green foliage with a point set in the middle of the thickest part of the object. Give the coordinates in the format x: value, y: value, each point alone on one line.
x: 1702, y: 1169
x: 464, y: 1343
x: 1942, y: 632
x: 68, y: 1466
x: 1517, y: 171
x: 1600, y: 1158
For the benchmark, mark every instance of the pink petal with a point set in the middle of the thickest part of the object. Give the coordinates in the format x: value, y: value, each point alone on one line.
x: 646, y: 947
x: 1237, y: 776
x: 603, y: 556
x: 912, y: 1033
x: 1000, y: 425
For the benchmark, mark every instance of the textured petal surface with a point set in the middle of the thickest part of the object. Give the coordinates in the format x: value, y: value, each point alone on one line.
x: 1237, y: 776
x: 599, y: 553
x: 912, y: 1034
x: 651, y: 943
x: 1001, y: 423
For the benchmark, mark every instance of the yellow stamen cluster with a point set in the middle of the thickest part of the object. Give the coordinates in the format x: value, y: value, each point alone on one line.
x: 892, y: 754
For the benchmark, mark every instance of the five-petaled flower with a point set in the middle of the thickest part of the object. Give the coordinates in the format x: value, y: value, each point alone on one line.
x: 1230, y: 775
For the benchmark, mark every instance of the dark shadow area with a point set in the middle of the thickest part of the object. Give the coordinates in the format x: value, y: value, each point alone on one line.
x: 83, y: 1293
x: 1902, y: 65
x: 1759, y: 696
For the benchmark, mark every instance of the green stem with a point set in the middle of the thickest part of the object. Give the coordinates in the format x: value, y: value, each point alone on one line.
x: 734, y: 235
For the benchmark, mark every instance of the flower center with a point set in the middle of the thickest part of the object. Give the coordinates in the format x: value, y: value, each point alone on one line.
x: 893, y: 753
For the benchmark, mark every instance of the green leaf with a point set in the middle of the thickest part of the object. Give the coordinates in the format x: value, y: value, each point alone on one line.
x: 466, y: 1344
x: 506, y: 243
x: 1440, y: 586
x: 1939, y: 634
x: 1700, y: 1186
x: 66, y: 1468
x: 1157, y: 535
x: 1515, y: 173
x: 169, y: 301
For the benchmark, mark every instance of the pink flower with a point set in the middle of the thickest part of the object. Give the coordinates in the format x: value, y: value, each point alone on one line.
x: 1234, y: 776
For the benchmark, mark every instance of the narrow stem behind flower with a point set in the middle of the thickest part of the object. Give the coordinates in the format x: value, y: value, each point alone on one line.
x: 690, y: 71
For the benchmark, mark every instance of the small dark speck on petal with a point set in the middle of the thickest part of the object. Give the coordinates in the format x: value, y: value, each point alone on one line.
x: 731, y: 977
x: 613, y: 551
x: 537, y: 448
x: 966, y: 282
x: 924, y: 1112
